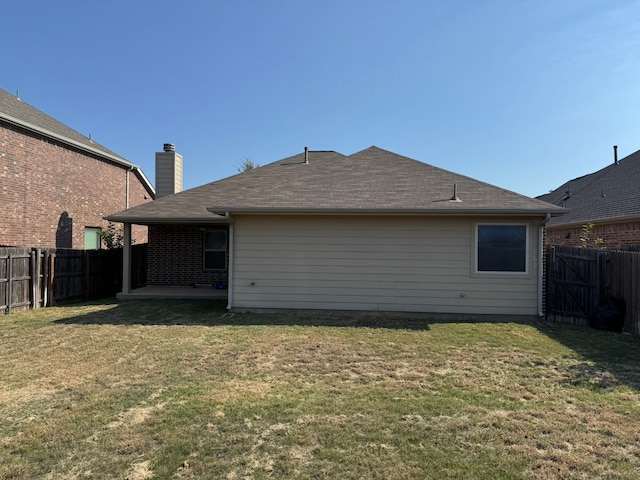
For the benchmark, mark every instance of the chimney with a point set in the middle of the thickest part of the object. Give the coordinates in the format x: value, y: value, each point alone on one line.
x: 615, y: 154
x: 168, y: 171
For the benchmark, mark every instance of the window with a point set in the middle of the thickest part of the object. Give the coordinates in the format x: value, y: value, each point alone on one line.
x: 91, y: 238
x: 215, y: 250
x: 501, y: 248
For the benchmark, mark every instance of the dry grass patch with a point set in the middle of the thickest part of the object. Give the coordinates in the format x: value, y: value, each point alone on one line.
x: 140, y: 471
x: 183, y: 390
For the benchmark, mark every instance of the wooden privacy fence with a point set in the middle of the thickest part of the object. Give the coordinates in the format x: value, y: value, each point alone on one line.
x: 86, y: 274
x: 581, y: 279
x: 23, y: 274
x: 622, y: 278
x: 32, y: 277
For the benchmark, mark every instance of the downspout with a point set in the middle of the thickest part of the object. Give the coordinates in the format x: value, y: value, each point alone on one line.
x: 230, y: 266
x: 541, y: 264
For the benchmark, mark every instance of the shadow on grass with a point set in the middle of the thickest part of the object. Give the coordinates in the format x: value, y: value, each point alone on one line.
x: 213, y: 313
x: 608, y: 359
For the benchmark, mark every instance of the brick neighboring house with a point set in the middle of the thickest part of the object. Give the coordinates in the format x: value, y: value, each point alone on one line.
x: 608, y: 198
x: 56, y: 185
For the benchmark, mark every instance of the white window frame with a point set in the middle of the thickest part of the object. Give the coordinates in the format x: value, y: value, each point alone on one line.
x: 527, y: 260
x: 205, y: 249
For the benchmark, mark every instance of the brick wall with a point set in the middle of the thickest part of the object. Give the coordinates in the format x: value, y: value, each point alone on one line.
x: 176, y: 256
x: 613, y: 234
x: 50, y: 192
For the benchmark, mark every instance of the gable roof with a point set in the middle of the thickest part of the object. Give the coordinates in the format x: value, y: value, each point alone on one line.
x: 15, y: 111
x: 370, y: 181
x: 608, y: 194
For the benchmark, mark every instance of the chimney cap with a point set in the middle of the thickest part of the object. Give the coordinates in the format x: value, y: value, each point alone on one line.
x: 169, y: 147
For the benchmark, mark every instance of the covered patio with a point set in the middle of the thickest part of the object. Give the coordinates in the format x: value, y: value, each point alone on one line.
x: 173, y: 292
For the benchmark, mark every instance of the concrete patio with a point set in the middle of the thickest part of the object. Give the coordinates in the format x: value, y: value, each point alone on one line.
x: 174, y: 292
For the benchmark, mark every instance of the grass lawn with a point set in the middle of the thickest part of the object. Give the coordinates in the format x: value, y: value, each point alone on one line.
x: 176, y: 390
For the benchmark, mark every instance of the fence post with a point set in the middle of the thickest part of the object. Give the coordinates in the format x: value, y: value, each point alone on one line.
x: 45, y: 277
x: 601, y: 286
x: 52, y: 262
x: 33, y: 278
x: 86, y: 275
x: 9, y: 282
x: 38, y: 278
x: 4, y: 307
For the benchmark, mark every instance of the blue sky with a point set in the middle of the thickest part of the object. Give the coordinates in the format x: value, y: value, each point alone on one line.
x: 523, y: 94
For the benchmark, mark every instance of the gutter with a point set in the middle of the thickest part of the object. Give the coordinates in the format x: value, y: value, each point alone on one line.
x: 150, y: 220
x: 385, y: 211
x: 222, y: 215
x: 541, y: 264
x: 145, y: 181
x: 600, y: 220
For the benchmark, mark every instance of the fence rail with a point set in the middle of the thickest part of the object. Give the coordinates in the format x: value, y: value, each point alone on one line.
x: 33, y: 277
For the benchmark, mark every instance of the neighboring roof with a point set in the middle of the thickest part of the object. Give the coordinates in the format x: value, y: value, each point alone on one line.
x: 370, y: 181
x: 15, y: 111
x: 610, y: 194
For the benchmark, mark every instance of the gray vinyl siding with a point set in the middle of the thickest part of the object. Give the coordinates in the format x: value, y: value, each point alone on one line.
x: 411, y: 264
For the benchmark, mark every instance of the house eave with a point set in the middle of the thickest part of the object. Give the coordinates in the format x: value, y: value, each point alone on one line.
x: 163, y: 220
x: 596, y: 221
x: 384, y: 211
x: 145, y: 181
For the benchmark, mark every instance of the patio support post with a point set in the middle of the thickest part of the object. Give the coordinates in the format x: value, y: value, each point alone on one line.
x: 126, y: 259
x: 230, y: 266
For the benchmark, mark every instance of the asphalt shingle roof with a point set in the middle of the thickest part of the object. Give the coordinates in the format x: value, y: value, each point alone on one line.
x: 612, y: 192
x: 370, y: 181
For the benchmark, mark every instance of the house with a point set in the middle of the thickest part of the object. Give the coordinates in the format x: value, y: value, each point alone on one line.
x: 56, y: 185
x: 609, y: 199
x: 369, y: 231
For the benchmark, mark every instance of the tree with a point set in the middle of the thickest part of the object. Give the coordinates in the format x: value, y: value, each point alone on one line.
x: 246, y: 165
x: 112, y: 236
x: 586, y: 239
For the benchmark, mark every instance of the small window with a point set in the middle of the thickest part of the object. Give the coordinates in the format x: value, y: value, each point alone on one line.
x: 215, y: 250
x: 91, y: 238
x: 501, y: 248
